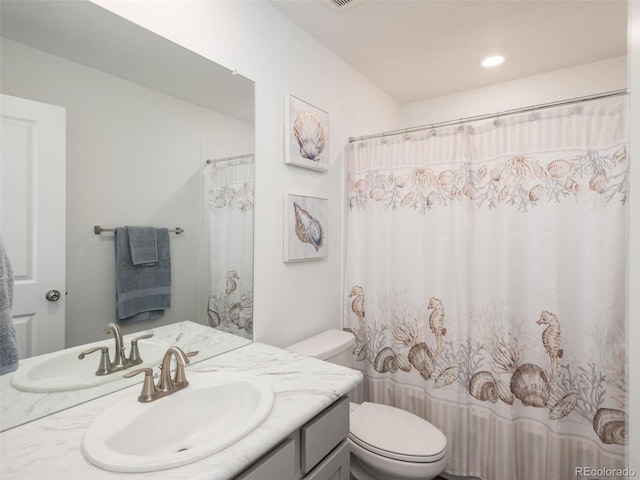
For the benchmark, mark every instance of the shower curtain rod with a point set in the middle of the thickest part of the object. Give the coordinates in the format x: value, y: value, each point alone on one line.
x: 496, y: 115
x: 225, y: 159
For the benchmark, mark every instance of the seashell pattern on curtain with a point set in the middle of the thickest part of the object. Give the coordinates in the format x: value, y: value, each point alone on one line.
x: 229, y: 190
x: 492, y: 261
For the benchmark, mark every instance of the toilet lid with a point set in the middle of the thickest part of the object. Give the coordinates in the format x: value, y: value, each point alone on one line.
x: 397, y: 434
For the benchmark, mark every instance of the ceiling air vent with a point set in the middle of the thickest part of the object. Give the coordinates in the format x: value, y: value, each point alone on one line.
x: 341, y: 4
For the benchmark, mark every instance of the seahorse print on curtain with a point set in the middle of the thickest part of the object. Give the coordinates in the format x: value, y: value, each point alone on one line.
x: 485, y: 287
x: 229, y: 200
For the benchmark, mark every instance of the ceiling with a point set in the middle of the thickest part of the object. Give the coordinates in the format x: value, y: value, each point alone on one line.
x: 88, y: 34
x: 420, y: 49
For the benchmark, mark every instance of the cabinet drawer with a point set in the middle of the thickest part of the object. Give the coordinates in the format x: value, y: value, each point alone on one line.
x: 278, y: 464
x: 323, y: 433
x: 335, y: 466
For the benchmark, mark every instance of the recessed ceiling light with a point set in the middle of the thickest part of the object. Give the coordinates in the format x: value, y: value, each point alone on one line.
x: 493, y: 61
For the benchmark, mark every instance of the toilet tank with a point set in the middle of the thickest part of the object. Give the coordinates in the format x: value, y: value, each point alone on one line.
x: 334, y: 346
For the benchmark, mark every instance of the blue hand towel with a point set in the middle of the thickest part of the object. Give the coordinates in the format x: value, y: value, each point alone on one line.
x: 142, y: 291
x: 144, y: 245
x: 9, y: 355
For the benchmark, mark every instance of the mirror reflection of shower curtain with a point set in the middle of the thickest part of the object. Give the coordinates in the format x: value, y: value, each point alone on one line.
x: 229, y: 197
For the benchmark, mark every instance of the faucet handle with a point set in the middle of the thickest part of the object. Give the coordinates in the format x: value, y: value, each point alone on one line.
x: 148, y: 387
x: 180, y: 377
x: 103, y: 366
x: 134, y: 355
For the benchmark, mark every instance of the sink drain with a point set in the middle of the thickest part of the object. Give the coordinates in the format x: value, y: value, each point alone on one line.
x: 182, y: 450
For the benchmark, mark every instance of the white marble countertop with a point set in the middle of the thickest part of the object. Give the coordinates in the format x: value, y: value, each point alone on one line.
x: 50, y: 447
x: 17, y: 407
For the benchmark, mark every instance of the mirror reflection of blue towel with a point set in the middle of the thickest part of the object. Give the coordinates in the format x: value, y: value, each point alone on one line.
x: 142, y: 291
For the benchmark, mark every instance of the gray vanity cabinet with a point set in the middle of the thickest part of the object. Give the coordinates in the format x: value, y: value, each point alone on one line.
x: 278, y: 464
x: 319, y: 450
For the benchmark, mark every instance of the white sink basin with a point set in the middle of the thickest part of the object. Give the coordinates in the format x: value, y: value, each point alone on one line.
x: 62, y: 371
x: 213, y: 412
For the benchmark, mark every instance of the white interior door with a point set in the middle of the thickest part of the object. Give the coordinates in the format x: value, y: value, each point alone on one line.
x: 32, y: 219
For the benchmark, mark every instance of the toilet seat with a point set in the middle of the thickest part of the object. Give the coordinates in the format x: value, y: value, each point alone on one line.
x: 396, y: 434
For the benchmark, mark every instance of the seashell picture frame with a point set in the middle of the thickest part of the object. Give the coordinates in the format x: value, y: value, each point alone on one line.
x: 306, y: 138
x: 305, y: 227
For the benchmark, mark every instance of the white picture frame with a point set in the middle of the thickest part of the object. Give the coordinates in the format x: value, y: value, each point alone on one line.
x: 305, y: 227
x: 307, y: 135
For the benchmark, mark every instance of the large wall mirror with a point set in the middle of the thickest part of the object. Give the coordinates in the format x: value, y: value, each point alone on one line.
x: 155, y: 135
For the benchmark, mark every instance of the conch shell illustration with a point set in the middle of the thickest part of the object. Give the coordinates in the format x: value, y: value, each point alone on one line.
x: 310, y: 135
x: 483, y: 386
x: 308, y: 228
x: 563, y: 407
x: 386, y: 361
x: 551, y: 341
x: 447, y: 376
x: 529, y: 384
x: 436, y: 322
x: 421, y: 358
x: 611, y: 426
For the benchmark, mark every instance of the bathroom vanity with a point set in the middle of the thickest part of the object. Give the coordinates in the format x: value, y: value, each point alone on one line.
x: 319, y: 450
x: 304, y: 436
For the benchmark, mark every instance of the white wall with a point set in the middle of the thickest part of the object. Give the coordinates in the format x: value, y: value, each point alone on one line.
x: 603, y: 76
x: 292, y: 301
x: 633, y: 293
x: 133, y: 158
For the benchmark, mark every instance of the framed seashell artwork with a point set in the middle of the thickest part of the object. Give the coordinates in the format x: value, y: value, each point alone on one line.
x: 305, y: 231
x: 306, y: 139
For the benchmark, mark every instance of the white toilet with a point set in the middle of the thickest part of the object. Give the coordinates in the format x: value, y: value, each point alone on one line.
x: 387, y: 443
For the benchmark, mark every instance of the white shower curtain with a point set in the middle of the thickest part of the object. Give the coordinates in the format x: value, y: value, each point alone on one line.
x: 229, y: 196
x: 486, y: 286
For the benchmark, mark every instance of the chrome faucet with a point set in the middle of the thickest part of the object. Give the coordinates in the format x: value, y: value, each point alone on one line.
x: 166, y: 385
x: 120, y: 360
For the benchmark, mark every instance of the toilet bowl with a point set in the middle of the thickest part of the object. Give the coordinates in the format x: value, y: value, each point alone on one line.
x: 387, y: 443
